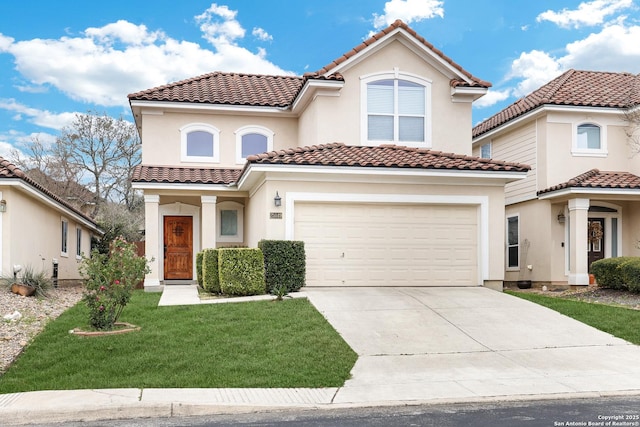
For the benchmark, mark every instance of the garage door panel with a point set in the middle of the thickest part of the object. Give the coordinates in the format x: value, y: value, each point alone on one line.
x: 388, y: 245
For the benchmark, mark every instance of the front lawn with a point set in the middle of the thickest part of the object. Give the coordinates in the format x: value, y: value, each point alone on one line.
x: 618, y: 321
x: 254, y: 344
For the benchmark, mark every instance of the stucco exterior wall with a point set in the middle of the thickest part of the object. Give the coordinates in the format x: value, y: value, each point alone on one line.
x: 32, y: 236
x: 161, y: 136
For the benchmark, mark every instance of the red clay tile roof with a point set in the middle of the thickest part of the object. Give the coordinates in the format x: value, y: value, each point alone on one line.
x: 384, y: 156
x: 596, y: 179
x: 10, y: 171
x: 572, y: 88
x: 272, y: 91
x: 476, y: 82
x: 229, y: 89
x: 170, y: 174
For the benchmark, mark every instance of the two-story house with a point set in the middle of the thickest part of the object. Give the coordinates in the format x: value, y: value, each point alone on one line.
x: 354, y: 159
x: 581, y: 200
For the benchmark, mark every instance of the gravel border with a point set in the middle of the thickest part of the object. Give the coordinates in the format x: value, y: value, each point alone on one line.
x: 35, y: 314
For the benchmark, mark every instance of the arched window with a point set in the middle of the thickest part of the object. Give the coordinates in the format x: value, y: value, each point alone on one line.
x: 396, y: 107
x: 252, y: 140
x: 588, y: 137
x: 199, y: 143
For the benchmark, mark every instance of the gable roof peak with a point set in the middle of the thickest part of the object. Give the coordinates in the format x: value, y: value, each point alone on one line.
x: 467, y: 79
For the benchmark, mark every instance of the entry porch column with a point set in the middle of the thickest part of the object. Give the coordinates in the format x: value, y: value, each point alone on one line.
x: 208, y: 221
x: 578, y: 241
x: 151, y: 241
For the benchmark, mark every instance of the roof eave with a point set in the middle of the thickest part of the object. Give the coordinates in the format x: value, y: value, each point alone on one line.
x: 219, y: 108
x: 600, y: 191
x: 314, y: 88
x: 466, y: 93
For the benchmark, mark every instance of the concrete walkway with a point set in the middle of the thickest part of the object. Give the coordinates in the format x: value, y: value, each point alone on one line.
x: 415, y: 345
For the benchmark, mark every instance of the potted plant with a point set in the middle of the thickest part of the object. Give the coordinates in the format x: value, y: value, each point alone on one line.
x: 30, y: 283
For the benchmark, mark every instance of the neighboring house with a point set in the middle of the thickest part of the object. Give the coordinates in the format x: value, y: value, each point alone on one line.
x: 354, y: 159
x: 581, y: 200
x: 40, y: 229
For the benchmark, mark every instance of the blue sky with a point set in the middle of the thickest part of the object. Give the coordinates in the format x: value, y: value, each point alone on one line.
x: 58, y: 58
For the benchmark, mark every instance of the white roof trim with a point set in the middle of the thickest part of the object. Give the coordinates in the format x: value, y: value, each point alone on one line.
x: 313, y: 88
x: 248, y: 109
x: 585, y: 190
x: 183, y: 186
x: 380, y: 171
x: 47, y: 200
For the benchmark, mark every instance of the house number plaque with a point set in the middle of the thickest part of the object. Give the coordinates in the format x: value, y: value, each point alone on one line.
x: 275, y: 215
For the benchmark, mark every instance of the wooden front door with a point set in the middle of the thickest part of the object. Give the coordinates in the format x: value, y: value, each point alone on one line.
x: 178, y: 247
x: 595, y: 243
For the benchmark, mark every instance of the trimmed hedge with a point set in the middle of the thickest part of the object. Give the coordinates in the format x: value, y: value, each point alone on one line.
x: 631, y: 273
x: 210, y: 275
x: 241, y: 271
x: 285, y: 264
x: 608, y: 273
x: 199, y: 257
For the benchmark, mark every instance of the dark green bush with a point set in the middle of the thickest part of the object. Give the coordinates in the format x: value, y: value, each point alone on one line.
x: 241, y: 271
x: 210, y: 276
x: 607, y: 272
x: 631, y: 273
x: 284, y: 263
x: 199, y: 257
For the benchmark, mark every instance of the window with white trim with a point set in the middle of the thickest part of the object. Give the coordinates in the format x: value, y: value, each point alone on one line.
x: 513, y: 242
x: 252, y: 140
x: 396, y: 109
x: 485, y: 151
x: 199, y: 142
x: 230, y: 221
x: 589, y: 139
x: 78, y: 242
x: 64, y: 237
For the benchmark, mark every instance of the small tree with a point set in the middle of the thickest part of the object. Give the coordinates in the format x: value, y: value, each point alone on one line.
x: 111, y: 279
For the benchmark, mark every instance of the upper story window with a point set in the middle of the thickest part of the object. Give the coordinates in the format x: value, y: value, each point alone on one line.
x: 199, y: 143
x: 252, y: 140
x: 485, y: 151
x: 589, y: 140
x: 397, y: 109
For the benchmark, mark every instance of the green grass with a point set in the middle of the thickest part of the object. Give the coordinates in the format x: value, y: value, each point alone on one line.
x: 253, y: 344
x: 620, y: 322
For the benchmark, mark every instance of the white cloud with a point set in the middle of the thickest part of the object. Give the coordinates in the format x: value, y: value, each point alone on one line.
x: 535, y: 68
x: 261, y: 34
x: 219, y: 25
x: 587, y: 14
x: 103, y: 65
x: 615, y: 48
x: 6, y: 149
x: 492, y: 97
x: 409, y: 11
x: 42, y: 118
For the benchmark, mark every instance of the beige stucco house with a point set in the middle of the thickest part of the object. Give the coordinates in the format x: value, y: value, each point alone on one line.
x: 356, y: 160
x: 581, y: 200
x: 40, y: 229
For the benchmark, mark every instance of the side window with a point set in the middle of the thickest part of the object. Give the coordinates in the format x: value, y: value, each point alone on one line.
x: 199, y: 142
x: 229, y: 227
x: 589, y: 139
x: 513, y: 242
x: 64, y: 237
x: 485, y: 151
x: 252, y: 140
x: 396, y: 110
x: 78, y: 242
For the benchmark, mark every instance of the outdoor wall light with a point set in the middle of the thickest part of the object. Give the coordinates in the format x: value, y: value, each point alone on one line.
x: 277, y: 201
x: 561, y: 218
x: 3, y: 205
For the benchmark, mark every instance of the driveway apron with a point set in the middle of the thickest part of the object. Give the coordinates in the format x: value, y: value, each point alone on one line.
x: 427, y: 344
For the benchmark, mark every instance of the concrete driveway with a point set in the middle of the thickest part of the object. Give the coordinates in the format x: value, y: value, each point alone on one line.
x: 426, y: 344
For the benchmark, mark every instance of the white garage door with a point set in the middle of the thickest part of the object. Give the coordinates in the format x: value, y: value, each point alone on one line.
x: 388, y: 245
